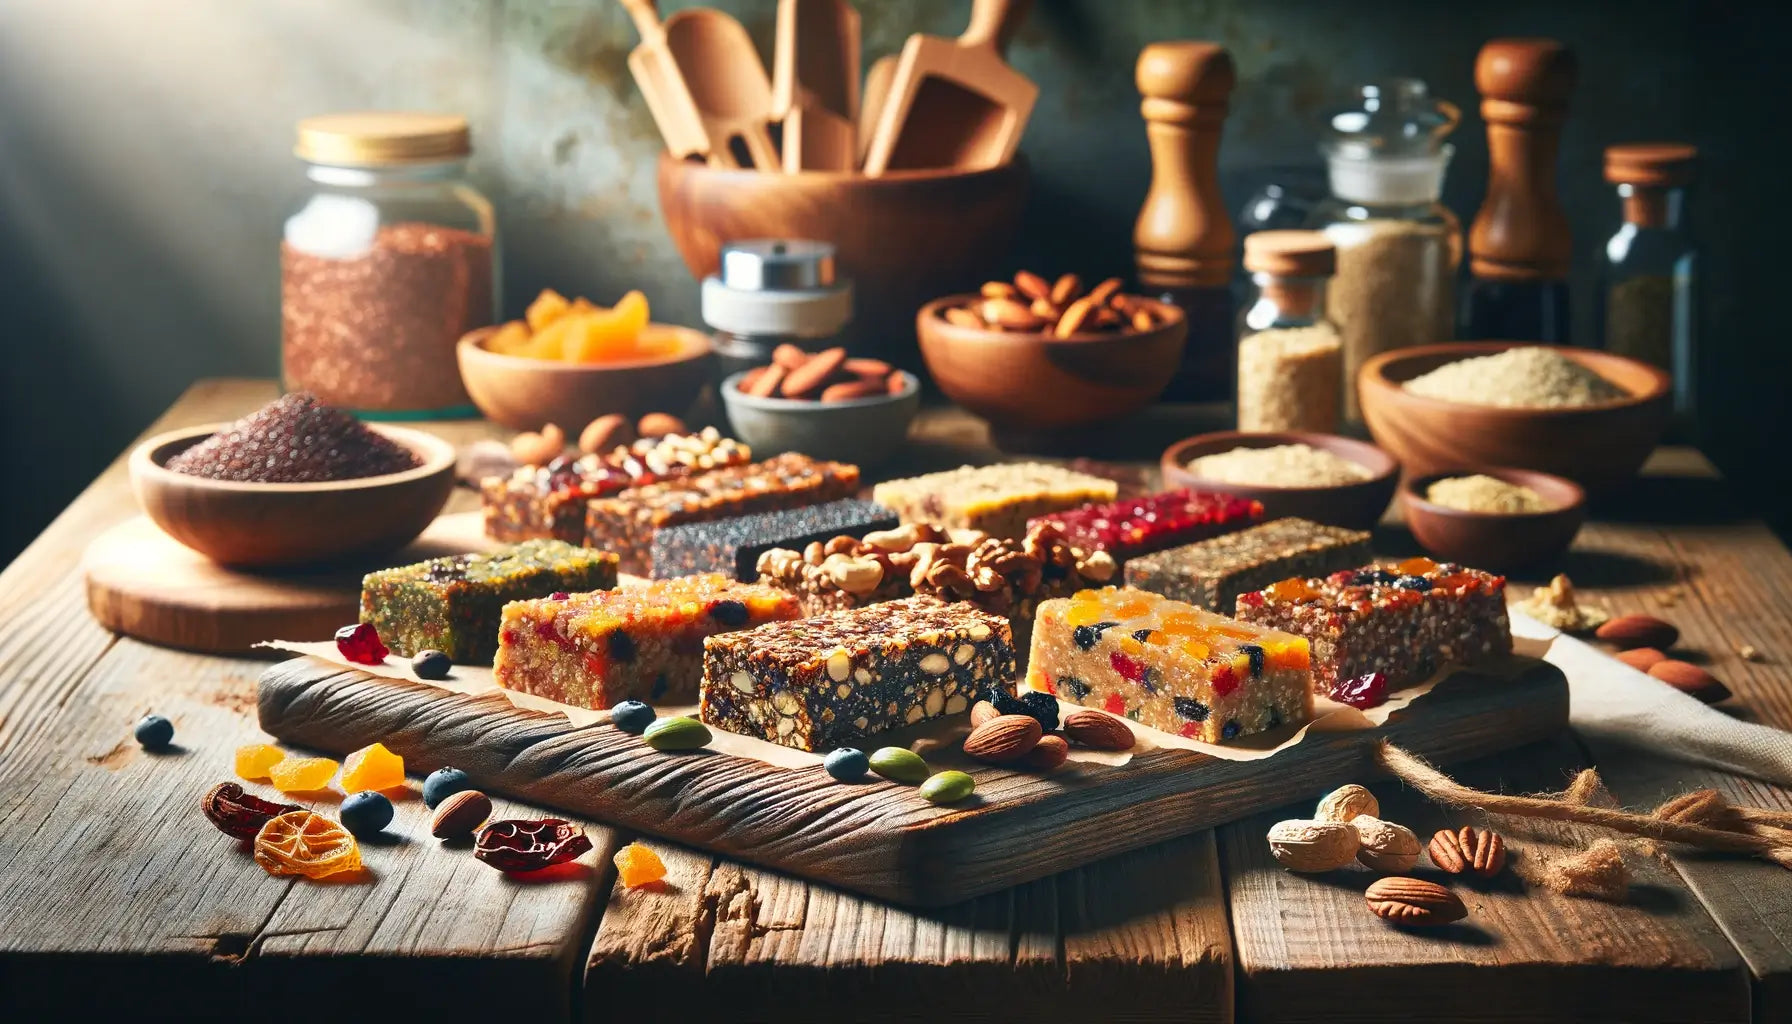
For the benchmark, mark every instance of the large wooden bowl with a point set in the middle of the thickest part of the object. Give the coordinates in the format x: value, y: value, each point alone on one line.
x: 1354, y: 506
x: 523, y: 393
x: 284, y: 525
x: 1021, y: 381
x: 1496, y: 541
x: 1598, y: 446
x: 902, y: 238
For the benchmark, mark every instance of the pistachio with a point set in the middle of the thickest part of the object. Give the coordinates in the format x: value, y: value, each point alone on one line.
x: 899, y: 764
x: 947, y: 787
x: 676, y: 734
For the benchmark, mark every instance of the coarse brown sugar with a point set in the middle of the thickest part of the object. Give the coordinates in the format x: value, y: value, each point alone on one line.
x: 1282, y: 465
x: 1290, y: 378
x: 1479, y: 492
x: 294, y: 439
x: 1526, y: 377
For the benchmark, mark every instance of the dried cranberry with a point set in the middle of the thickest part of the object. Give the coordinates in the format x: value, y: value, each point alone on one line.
x: 239, y: 814
x: 518, y: 845
x: 1114, y: 705
x: 1251, y: 599
x: 1129, y: 669
x: 1224, y: 680
x: 1362, y: 692
x: 360, y: 643
x: 559, y: 595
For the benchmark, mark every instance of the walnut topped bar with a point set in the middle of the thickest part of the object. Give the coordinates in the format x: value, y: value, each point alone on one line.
x: 1138, y: 526
x: 998, y: 499
x: 1212, y: 573
x: 825, y: 682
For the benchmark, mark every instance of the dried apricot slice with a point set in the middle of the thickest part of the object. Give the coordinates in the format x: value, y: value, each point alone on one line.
x: 302, y: 774
x: 372, y: 767
x: 254, y: 760
x: 637, y: 865
x: 308, y: 844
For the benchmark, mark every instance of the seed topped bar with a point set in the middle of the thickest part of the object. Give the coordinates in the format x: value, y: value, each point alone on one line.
x: 820, y: 683
x: 1170, y: 665
x: 998, y: 499
x: 452, y: 604
x: 1212, y: 573
x: 1405, y: 621
x: 1132, y: 527
x: 636, y: 643
x: 626, y: 523
x: 734, y: 545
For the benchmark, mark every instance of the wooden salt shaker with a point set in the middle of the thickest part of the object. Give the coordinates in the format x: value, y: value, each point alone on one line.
x: 1519, y: 245
x: 1183, y: 240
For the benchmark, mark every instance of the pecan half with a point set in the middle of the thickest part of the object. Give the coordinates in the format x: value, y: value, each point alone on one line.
x: 1468, y: 849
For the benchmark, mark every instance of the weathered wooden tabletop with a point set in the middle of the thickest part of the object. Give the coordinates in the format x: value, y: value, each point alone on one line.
x: 116, y: 896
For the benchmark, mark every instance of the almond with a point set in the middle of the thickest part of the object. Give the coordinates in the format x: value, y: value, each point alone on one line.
x: 605, y: 433
x: 1010, y: 315
x: 1073, y: 319
x: 810, y: 376
x: 1413, y: 901
x: 766, y: 384
x: 1045, y: 310
x: 1640, y: 658
x: 533, y: 449
x: 1048, y: 753
x: 789, y: 356
x: 1098, y: 731
x: 1032, y: 285
x: 1141, y: 319
x: 867, y: 369
x: 981, y: 712
x: 848, y: 390
x: 1066, y: 288
x: 1627, y: 631
x: 998, y: 290
x: 962, y: 317
x: 1003, y: 738
x: 659, y: 424
x: 460, y: 814
x: 1690, y: 679
x: 1473, y: 849
x: 1104, y: 291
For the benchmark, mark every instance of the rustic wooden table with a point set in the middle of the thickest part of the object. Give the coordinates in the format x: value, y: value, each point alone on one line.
x: 116, y: 896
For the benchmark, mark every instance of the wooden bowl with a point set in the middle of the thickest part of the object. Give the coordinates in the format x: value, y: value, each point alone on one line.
x: 270, y: 525
x: 864, y: 431
x: 1598, y: 446
x: 523, y: 393
x: 902, y: 238
x: 1033, y: 382
x: 1488, y: 540
x: 1354, y: 506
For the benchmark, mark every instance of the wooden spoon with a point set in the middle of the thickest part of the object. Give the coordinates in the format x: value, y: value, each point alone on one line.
x: 728, y: 84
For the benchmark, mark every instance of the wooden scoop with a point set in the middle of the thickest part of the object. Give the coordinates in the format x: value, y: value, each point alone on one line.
x: 955, y: 103
x: 817, y: 139
x: 728, y: 83
x: 815, y: 84
x: 663, y: 86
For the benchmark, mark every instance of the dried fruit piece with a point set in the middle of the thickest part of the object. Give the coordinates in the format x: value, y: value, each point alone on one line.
x: 372, y: 767
x: 530, y: 845
x: 431, y: 664
x: 360, y: 643
x: 302, y: 774
x: 254, y: 760
x: 638, y: 865
x: 1363, y: 692
x: 1413, y: 901
x: 303, y: 843
x: 238, y: 814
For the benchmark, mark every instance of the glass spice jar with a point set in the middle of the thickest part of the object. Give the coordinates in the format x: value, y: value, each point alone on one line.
x: 1290, y: 356
x: 771, y: 292
x: 1649, y: 270
x: 391, y: 259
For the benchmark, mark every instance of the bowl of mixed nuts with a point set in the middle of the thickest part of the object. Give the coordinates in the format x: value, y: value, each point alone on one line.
x: 1032, y: 354
x: 825, y: 404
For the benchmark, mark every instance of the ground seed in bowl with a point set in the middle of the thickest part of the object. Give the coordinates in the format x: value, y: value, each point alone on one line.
x: 294, y: 439
x: 1284, y: 465
x: 1527, y: 377
x: 1482, y: 493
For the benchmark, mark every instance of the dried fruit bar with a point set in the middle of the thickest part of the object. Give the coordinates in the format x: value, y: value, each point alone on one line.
x: 637, y: 643
x: 1170, y: 665
x: 998, y: 499
x: 734, y: 545
x: 452, y: 604
x: 824, y: 682
x: 626, y: 523
x: 549, y: 500
x: 1404, y: 621
x: 1212, y: 573
x: 1132, y: 527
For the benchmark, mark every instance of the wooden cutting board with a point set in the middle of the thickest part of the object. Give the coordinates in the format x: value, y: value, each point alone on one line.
x: 876, y: 837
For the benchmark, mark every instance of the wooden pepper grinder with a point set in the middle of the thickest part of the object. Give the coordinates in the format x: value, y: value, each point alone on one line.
x: 1519, y: 246
x: 1183, y: 240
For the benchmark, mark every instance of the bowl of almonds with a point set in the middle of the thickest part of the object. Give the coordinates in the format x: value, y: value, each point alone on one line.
x: 825, y: 404
x: 1037, y: 355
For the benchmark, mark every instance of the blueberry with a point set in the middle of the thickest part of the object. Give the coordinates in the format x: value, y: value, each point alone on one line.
x: 1230, y: 729
x: 431, y: 665
x: 1086, y: 637
x: 154, y: 732
x: 1043, y: 706
x: 729, y: 613
x: 366, y: 813
x: 622, y: 646
x: 1364, y: 577
x: 1076, y: 686
x: 847, y: 764
x: 1255, y: 653
x: 1418, y: 583
x: 632, y: 716
x: 1008, y: 704
x: 442, y: 784
x: 1191, y: 709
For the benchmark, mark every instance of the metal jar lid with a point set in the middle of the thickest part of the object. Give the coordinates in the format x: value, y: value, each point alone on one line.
x: 777, y: 287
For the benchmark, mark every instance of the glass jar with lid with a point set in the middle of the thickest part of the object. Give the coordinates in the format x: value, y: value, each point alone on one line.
x: 1649, y: 269
x: 770, y: 292
x: 1398, y: 246
x: 1289, y: 352
x: 391, y: 259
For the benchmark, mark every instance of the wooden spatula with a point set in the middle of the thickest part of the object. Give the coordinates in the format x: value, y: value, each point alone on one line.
x: 883, y: 69
x: 728, y: 84
x: 955, y: 102
x: 817, y: 139
x: 657, y: 76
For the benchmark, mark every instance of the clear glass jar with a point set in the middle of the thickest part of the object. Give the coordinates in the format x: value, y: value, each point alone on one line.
x: 391, y: 259
x: 1290, y: 368
x: 1649, y: 269
x: 1398, y: 245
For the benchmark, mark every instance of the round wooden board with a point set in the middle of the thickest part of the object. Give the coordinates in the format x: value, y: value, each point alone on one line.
x: 145, y: 584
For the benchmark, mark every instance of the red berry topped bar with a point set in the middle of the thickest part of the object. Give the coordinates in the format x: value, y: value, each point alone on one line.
x: 635, y: 643
x: 1404, y: 621
x: 1170, y: 665
x: 1138, y: 526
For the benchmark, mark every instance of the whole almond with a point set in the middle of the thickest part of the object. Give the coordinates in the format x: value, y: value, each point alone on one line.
x: 1690, y: 679
x: 867, y: 369
x: 605, y: 433
x: 981, y: 712
x: 1413, y: 901
x: 1640, y: 658
x: 535, y: 449
x: 1003, y: 739
x: 460, y: 814
x: 659, y: 424
x: 1627, y: 631
x: 1312, y: 846
x: 1468, y: 848
x: 1103, y: 317
x: 789, y: 356
x: 1066, y: 288
x: 896, y: 383
x: 766, y: 384
x: 1097, y: 731
x: 963, y: 317
x: 850, y: 389
x: 1046, y: 310
x: 998, y: 290
x: 1141, y: 320
x: 1010, y: 315
x: 1032, y: 285
x: 1385, y: 846
x: 1050, y: 752
x: 1073, y: 319
x: 1104, y: 291
x: 810, y: 376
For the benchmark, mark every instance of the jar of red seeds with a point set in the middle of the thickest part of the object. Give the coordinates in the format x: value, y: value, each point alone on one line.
x: 391, y: 259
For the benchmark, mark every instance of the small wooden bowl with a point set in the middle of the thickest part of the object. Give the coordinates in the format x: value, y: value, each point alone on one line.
x: 865, y: 431
x: 523, y: 393
x: 1596, y: 446
x: 1034, y: 382
x: 1488, y: 540
x: 1354, y: 506
x: 279, y: 525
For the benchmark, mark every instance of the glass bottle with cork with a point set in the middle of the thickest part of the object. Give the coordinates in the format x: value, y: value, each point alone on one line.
x: 1649, y: 273
x: 1290, y: 356
x: 392, y: 258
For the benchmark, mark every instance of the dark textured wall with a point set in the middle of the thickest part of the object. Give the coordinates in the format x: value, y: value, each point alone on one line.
x: 145, y: 166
